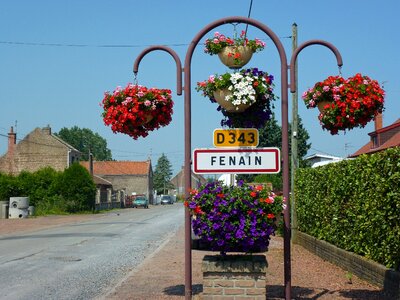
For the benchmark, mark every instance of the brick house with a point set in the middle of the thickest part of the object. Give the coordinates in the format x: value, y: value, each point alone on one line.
x: 130, y: 176
x: 37, y: 150
x: 178, y: 181
x: 382, y: 138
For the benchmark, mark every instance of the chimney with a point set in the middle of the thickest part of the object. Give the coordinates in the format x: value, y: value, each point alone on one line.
x: 47, y: 130
x: 12, y: 141
x: 378, y: 122
x: 91, y: 164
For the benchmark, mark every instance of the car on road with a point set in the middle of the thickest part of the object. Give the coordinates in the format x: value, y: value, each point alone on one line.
x: 140, y: 201
x: 166, y: 199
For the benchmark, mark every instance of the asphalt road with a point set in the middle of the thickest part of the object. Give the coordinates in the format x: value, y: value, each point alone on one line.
x: 83, y: 260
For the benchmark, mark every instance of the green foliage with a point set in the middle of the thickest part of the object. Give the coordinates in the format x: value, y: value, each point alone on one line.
x: 52, y: 192
x: 359, y: 210
x: 77, y: 189
x: 85, y: 140
x: 8, y: 187
x: 274, y: 179
x: 162, y: 175
x: 271, y: 136
x: 39, y: 185
x: 302, y: 145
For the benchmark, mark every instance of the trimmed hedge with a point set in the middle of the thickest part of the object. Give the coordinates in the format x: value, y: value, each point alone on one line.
x: 354, y: 205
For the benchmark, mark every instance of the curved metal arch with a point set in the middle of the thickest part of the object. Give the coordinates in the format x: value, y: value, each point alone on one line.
x: 285, y: 142
x: 300, y: 48
x: 173, y: 54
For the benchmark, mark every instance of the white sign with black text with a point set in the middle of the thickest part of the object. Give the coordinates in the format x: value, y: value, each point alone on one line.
x: 239, y: 160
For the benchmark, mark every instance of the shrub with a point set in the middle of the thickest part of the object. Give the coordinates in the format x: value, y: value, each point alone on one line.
x: 359, y: 210
x: 39, y: 185
x: 77, y: 189
x: 8, y: 187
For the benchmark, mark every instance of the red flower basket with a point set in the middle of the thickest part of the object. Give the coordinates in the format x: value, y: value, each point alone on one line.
x: 345, y: 103
x: 135, y: 110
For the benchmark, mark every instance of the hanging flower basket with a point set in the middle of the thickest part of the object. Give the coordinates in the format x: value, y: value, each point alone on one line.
x: 345, y: 103
x: 233, y: 52
x: 235, y: 57
x: 247, y: 90
x: 322, y: 104
x: 135, y: 110
x: 234, y: 218
x: 223, y: 96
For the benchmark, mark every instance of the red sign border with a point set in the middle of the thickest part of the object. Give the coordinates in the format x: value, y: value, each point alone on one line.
x: 246, y: 171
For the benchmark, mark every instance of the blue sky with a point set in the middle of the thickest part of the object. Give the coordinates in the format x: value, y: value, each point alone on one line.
x: 54, y: 67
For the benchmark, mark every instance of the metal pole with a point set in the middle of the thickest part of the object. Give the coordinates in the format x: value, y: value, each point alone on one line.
x: 293, y: 75
x: 285, y: 138
x: 175, y: 57
x: 294, y: 137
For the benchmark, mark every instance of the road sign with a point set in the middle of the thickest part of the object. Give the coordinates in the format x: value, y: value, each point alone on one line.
x: 239, y: 160
x: 238, y: 137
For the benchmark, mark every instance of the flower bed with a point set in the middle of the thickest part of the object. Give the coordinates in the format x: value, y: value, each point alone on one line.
x: 234, y: 219
x: 135, y: 110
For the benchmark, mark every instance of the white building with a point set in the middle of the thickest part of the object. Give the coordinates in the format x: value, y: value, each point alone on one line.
x: 318, y: 159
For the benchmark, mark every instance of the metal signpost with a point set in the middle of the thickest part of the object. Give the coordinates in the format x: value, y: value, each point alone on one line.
x: 284, y: 156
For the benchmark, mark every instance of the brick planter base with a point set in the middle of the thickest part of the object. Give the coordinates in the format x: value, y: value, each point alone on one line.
x: 234, y: 277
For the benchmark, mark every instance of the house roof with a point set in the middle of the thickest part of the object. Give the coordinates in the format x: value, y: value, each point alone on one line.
x: 319, y: 155
x: 101, y: 181
x: 119, y: 167
x: 46, y: 131
x: 181, y: 173
x: 64, y: 143
x: 392, y: 141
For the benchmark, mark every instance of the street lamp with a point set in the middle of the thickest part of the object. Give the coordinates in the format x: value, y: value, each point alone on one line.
x: 284, y: 112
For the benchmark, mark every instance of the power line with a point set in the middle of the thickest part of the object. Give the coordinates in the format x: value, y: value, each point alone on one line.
x: 248, y: 15
x: 80, y: 45
x: 70, y: 45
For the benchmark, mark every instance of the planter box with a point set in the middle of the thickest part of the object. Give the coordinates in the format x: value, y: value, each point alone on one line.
x: 230, y: 276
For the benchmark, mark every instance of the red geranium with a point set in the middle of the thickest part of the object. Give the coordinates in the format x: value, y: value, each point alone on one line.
x: 135, y: 110
x: 345, y: 103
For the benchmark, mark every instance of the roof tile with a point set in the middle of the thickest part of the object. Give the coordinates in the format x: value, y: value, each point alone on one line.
x: 119, y: 167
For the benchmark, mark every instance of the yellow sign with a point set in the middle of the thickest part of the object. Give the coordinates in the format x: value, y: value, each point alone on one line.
x: 238, y: 137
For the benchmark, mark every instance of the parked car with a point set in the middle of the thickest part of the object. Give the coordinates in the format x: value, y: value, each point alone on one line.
x: 140, y: 201
x: 166, y: 199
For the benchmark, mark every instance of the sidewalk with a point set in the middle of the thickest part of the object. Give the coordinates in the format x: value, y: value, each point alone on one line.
x: 161, y: 276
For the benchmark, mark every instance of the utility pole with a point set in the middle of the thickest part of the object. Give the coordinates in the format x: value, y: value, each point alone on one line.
x: 92, y: 175
x: 294, y: 137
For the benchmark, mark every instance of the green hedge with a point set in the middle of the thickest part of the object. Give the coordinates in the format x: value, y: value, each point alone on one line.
x: 52, y: 192
x: 354, y: 204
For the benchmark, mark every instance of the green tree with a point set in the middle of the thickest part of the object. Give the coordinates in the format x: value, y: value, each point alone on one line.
x: 85, y: 140
x: 303, y: 145
x: 271, y: 136
x: 162, y: 175
x: 39, y: 185
x: 77, y: 189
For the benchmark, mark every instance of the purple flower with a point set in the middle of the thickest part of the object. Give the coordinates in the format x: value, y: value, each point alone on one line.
x: 233, y: 222
x: 192, y: 205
